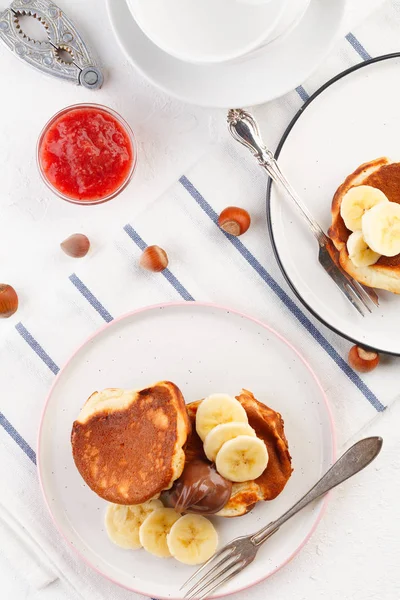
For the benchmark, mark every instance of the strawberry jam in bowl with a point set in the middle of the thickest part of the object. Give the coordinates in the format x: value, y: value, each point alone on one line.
x: 87, y: 154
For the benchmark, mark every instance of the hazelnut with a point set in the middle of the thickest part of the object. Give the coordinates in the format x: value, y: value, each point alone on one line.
x: 76, y: 245
x: 234, y: 220
x: 8, y: 301
x: 154, y: 259
x: 363, y: 360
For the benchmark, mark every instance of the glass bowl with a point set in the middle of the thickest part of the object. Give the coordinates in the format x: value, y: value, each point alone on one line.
x: 74, y: 197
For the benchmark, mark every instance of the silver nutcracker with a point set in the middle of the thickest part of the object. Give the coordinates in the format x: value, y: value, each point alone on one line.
x: 64, y: 55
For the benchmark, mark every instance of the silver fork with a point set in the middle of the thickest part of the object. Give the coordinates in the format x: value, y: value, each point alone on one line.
x: 237, y: 555
x: 244, y: 129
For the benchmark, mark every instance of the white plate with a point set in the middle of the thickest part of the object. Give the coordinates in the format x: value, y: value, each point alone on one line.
x: 203, y: 349
x: 259, y: 77
x: 353, y: 120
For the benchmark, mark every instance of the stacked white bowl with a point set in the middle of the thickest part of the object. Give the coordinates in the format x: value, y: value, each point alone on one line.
x: 215, y: 31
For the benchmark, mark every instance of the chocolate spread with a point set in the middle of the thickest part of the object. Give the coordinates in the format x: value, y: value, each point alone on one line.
x: 200, y: 489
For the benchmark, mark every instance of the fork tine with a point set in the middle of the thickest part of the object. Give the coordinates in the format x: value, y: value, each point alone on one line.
x: 368, y: 294
x: 347, y: 290
x: 210, y: 560
x: 340, y: 278
x: 371, y: 293
x: 217, y: 576
x: 360, y: 293
x: 209, y: 573
x: 228, y: 578
x: 351, y: 288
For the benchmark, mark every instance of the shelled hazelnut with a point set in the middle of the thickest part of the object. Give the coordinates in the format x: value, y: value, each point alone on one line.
x: 363, y: 360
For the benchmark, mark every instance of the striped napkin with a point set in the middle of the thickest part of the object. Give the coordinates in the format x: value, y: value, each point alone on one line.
x: 65, y: 307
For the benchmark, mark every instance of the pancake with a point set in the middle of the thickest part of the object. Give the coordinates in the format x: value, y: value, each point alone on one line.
x: 128, y: 445
x: 269, y: 427
x: 384, y: 175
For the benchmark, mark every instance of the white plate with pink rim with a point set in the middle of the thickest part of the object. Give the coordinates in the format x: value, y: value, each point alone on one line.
x: 267, y: 73
x: 203, y: 349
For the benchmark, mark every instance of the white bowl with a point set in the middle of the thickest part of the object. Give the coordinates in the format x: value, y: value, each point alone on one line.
x: 294, y: 12
x: 208, y: 31
x: 254, y: 79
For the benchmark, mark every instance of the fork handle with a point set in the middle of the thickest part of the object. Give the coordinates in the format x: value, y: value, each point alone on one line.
x: 245, y: 130
x: 353, y: 461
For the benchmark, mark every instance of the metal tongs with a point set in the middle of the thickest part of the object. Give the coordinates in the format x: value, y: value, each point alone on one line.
x: 64, y: 55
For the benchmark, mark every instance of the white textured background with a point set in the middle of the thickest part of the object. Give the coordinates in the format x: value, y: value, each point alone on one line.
x: 355, y: 554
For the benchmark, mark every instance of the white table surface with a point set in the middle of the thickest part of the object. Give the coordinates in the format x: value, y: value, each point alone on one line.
x: 355, y: 553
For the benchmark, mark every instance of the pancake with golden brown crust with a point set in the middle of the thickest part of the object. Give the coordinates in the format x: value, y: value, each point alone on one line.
x: 269, y: 427
x: 384, y: 175
x: 127, y: 445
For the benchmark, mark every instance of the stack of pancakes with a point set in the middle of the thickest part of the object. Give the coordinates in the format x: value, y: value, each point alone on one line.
x: 384, y: 175
x: 129, y: 446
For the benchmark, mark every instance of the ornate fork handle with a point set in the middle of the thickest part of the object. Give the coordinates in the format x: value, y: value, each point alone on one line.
x: 245, y: 130
x: 359, y: 456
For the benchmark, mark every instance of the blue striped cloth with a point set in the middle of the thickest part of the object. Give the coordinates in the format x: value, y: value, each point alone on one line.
x: 205, y: 265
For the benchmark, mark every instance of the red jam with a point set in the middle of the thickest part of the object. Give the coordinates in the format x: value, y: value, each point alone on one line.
x: 86, y: 154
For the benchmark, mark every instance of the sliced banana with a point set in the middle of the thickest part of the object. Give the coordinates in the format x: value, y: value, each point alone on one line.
x: 154, y: 530
x: 218, y: 409
x: 360, y: 253
x: 357, y: 201
x: 123, y: 522
x: 242, y: 459
x: 221, y: 434
x: 192, y: 539
x: 381, y: 228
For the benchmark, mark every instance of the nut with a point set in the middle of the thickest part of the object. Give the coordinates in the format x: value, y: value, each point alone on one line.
x: 154, y: 259
x: 76, y: 245
x: 363, y: 360
x: 8, y: 301
x: 234, y: 220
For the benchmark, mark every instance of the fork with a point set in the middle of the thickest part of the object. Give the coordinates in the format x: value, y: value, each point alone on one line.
x: 245, y: 130
x: 237, y: 555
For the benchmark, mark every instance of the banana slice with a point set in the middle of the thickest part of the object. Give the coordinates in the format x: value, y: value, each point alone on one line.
x: 221, y: 434
x: 381, y: 228
x: 123, y: 522
x: 357, y: 201
x: 192, y: 539
x: 218, y: 409
x: 242, y: 459
x: 154, y: 529
x: 360, y: 253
